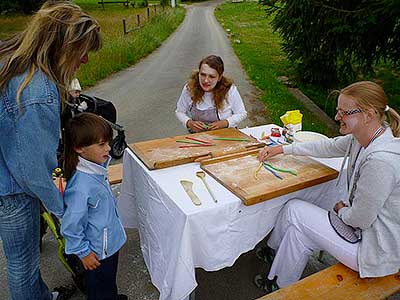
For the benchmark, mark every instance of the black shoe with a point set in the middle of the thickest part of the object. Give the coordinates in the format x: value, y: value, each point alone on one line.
x: 65, y: 292
x: 265, y: 254
x: 265, y: 284
x: 122, y: 297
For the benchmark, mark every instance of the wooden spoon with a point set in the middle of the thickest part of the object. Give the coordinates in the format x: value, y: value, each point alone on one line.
x: 202, y: 176
x: 187, y: 185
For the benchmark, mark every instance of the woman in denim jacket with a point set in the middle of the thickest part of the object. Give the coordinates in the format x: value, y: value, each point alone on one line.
x: 36, y: 66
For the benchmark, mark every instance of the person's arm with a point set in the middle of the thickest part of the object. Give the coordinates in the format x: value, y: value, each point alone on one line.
x: 36, y: 134
x: 183, y: 106
x: 239, y: 112
x: 74, y: 222
x: 375, y: 184
x: 182, y: 109
x: 335, y: 147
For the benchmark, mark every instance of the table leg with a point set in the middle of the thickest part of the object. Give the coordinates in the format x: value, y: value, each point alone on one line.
x: 192, y: 295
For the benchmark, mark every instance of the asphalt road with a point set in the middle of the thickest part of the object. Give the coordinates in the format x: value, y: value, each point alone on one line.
x: 145, y: 94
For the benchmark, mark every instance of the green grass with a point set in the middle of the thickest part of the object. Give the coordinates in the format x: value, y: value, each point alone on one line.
x: 261, y: 56
x: 385, y: 75
x: 10, y: 25
x: 119, y: 51
x: 260, y: 53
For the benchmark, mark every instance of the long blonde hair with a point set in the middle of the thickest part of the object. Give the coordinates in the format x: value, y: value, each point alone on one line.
x: 368, y: 95
x: 59, y: 34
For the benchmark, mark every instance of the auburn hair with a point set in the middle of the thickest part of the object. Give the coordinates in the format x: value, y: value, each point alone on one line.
x: 220, y: 90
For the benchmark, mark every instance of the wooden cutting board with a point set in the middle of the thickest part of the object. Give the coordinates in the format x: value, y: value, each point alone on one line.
x: 163, y: 153
x: 236, y: 173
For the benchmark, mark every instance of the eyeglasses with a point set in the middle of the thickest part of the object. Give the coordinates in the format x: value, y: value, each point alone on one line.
x: 341, y: 113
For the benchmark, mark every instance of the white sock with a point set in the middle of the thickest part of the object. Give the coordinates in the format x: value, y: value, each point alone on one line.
x: 55, y: 295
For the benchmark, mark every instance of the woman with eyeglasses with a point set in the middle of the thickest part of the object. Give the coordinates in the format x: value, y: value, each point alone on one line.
x: 363, y: 230
x: 210, y: 100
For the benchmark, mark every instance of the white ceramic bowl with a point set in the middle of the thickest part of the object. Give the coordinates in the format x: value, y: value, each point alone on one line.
x: 308, y: 136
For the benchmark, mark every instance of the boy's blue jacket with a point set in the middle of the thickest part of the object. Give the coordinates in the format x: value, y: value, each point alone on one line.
x: 91, y: 222
x: 29, y: 135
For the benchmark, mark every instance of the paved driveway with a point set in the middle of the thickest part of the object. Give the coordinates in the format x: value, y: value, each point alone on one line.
x: 145, y: 95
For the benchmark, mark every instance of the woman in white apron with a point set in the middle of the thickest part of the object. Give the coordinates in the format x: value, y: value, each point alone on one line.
x: 209, y: 100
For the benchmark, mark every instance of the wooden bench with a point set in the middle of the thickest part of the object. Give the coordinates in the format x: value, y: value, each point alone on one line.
x: 338, y: 283
x: 115, y: 173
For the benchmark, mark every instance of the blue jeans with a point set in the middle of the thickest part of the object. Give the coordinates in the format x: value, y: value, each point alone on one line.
x: 19, y: 231
x: 102, y: 282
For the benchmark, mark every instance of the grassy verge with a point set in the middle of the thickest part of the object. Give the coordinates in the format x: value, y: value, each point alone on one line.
x: 258, y: 48
x: 385, y: 75
x: 260, y: 53
x: 119, y: 51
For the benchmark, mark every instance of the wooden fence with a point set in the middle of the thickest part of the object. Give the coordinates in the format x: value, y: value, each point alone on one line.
x: 142, y: 18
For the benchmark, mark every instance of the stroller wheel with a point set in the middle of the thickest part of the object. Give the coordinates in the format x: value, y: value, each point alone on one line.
x: 80, y: 282
x: 118, y: 146
x: 43, y: 230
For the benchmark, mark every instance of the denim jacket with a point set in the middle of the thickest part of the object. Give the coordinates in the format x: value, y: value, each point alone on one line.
x: 29, y: 135
x: 91, y: 222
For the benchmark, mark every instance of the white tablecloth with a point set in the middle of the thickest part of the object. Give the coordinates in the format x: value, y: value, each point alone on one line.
x: 177, y: 236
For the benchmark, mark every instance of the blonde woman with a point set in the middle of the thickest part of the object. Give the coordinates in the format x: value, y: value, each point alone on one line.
x: 36, y: 67
x: 363, y: 230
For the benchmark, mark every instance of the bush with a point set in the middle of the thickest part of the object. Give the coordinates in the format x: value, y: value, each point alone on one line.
x: 141, y: 3
x: 24, y: 6
x: 332, y: 41
x: 165, y: 2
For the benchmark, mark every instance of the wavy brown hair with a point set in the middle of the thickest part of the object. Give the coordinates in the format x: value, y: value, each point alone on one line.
x: 59, y: 34
x: 219, y: 91
x: 368, y: 95
x: 83, y: 130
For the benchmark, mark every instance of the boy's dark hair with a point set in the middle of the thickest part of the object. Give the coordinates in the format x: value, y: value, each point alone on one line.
x: 83, y: 130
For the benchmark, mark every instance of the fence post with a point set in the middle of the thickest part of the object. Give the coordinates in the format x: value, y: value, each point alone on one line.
x: 155, y: 9
x: 138, y: 20
x: 148, y: 13
x: 124, y: 25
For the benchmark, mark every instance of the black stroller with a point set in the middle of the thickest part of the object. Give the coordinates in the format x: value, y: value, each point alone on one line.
x: 102, y: 108
x: 70, y: 261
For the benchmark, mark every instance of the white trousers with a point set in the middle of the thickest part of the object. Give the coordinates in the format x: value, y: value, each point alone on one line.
x: 302, y: 227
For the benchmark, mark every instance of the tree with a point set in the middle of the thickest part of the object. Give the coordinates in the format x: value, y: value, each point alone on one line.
x: 331, y: 41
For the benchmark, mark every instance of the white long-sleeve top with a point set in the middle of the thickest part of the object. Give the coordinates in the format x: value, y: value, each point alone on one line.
x: 372, y: 197
x: 233, y: 110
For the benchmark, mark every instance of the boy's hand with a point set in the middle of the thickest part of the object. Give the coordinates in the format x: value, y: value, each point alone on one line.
x: 90, y: 262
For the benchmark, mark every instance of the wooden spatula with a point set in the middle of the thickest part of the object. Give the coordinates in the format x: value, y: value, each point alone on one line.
x: 187, y: 185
